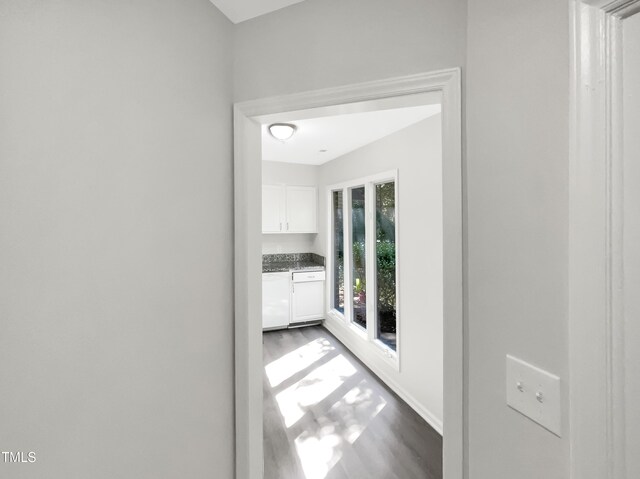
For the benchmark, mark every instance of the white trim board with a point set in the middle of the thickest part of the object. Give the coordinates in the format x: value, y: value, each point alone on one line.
x: 595, y: 241
x: 247, y: 198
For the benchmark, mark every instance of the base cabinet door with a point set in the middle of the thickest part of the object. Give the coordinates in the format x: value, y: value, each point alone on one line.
x: 307, y: 301
x: 276, y: 306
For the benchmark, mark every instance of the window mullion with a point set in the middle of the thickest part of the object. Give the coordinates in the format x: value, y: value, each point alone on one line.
x: 348, y: 256
x: 370, y: 241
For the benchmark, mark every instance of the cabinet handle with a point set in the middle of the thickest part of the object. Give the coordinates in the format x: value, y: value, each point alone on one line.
x: 280, y: 226
x: 287, y: 226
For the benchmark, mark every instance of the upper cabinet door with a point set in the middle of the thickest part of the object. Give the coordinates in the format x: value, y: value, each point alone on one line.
x: 301, y: 210
x: 273, y: 209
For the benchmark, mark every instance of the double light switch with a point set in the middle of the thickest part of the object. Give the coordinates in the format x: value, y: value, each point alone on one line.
x: 534, y: 393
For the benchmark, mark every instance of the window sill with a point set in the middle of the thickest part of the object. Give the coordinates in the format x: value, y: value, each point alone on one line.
x: 359, y: 331
x: 386, y: 350
x: 358, y: 338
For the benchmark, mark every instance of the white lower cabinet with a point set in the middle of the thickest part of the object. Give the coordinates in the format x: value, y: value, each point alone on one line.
x: 307, y: 297
x: 292, y: 298
x: 276, y: 297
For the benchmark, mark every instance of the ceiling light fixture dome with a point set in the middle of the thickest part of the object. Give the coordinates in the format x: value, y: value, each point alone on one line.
x: 282, y: 131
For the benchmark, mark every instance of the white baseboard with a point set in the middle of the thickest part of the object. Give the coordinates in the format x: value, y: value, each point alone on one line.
x: 359, y: 349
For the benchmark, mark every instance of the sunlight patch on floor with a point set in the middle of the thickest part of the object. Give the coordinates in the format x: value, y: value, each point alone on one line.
x: 318, y: 453
x: 291, y: 363
x: 313, y: 388
x: 356, y: 410
x: 320, y: 450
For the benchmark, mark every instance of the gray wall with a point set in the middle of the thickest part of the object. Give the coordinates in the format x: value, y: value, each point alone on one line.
x: 280, y: 173
x: 517, y: 179
x: 115, y: 214
x: 323, y: 43
x: 516, y: 172
x: 416, y: 152
x: 115, y: 239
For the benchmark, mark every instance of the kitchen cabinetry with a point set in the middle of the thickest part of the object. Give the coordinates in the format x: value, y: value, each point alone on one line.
x: 289, y: 209
x: 307, y: 297
x: 292, y: 298
x: 276, y: 291
x: 301, y: 209
x: 273, y: 208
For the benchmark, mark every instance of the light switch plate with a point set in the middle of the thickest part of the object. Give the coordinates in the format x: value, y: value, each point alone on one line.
x: 534, y: 393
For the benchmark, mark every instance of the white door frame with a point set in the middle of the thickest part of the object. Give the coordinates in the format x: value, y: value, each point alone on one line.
x: 248, y: 337
x: 595, y: 240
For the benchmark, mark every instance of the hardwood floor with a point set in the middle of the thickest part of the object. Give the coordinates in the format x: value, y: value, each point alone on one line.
x: 326, y: 415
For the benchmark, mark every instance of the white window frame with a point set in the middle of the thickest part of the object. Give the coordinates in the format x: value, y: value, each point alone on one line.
x: 369, y: 335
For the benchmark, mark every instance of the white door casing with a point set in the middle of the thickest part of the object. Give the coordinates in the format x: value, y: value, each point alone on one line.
x: 596, y: 306
x: 631, y: 240
x: 248, y: 170
x: 248, y: 298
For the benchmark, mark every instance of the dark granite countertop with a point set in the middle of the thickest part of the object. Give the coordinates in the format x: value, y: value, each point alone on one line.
x: 276, y: 263
x: 291, y: 266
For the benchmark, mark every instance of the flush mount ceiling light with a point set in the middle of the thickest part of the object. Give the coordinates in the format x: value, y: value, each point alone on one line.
x: 282, y: 131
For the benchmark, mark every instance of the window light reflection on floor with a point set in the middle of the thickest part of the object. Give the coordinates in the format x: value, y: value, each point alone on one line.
x: 321, y: 449
x: 313, y: 388
x: 356, y: 410
x: 291, y: 363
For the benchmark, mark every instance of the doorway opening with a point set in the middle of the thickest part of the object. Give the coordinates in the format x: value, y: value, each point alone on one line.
x: 366, y: 232
x: 335, y: 196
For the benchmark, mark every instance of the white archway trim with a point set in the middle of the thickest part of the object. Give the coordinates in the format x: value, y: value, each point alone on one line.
x: 595, y: 240
x: 248, y: 344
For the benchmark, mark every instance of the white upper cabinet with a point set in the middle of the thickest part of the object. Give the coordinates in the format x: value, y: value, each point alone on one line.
x: 301, y: 209
x: 289, y: 209
x: 273, y: 209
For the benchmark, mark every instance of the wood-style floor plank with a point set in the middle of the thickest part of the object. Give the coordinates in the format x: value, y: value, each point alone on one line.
x: 327, y: 416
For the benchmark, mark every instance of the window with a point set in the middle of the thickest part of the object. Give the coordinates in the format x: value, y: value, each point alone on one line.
x: 338, y: 251
x: 386, y: 263
x: 363, y: 257
x: 358, y: 257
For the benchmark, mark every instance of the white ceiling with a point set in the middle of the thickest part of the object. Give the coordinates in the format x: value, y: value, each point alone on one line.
x: 340, y: 134
x: 240, y: 10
